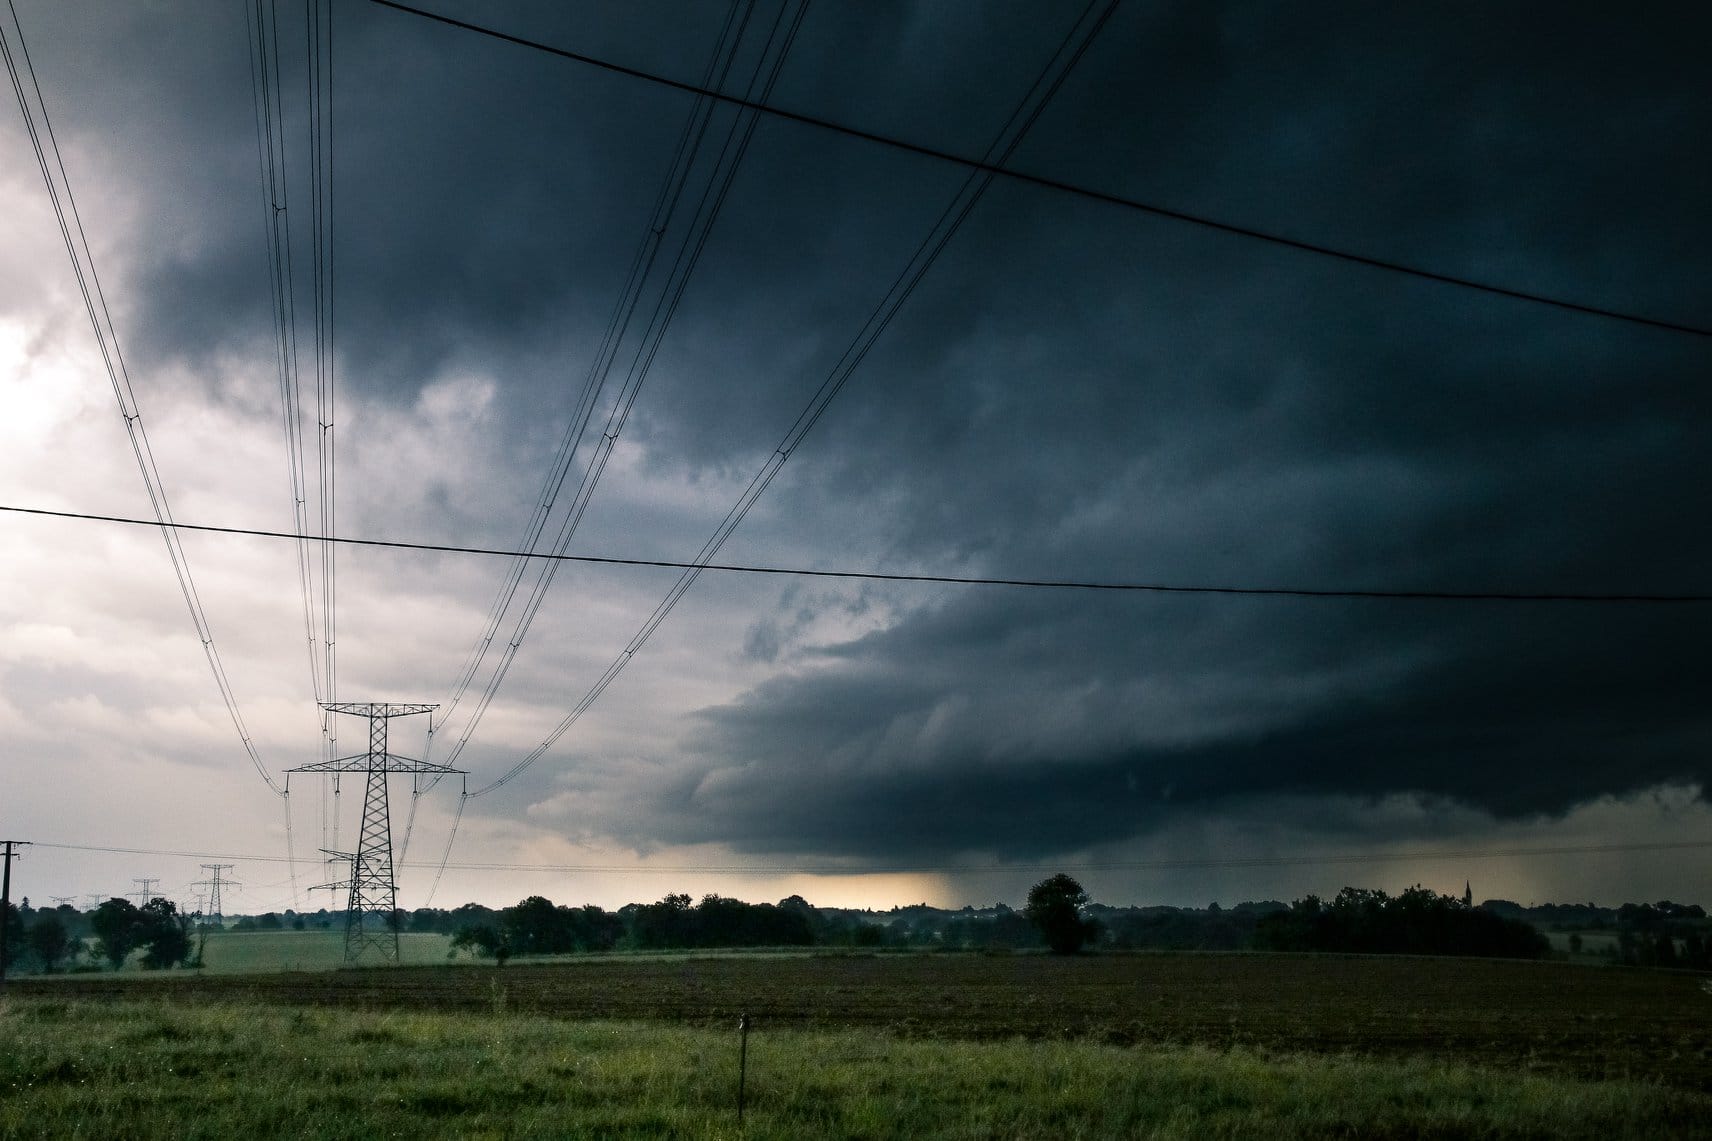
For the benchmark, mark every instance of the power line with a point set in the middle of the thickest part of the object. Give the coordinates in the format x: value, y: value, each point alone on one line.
x: 319, y: 54
x: 718, y: 184
x: 726, y: 163
x: 1110, y: 199
x: 1403, y: 595
x: 848, y: 869
x: 107, y: 340
x: 267, y: 89
x: 665, y: 206
x: 1028, y: 110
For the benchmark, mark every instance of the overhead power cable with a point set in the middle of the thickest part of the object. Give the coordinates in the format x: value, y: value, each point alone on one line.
x: 849, y: 868
x: 946, y: 579
x: 319, y: 33
x: 1111, y: 199
x: 665, y: 205
x: 1035, y: 101
x: 267, y: 93
x: 768, y: 66
x: 685, y: 157
x: 70, y: 221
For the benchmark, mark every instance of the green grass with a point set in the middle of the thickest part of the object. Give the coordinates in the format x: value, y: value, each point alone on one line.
x: 233, y: 952
x: 153, y: 1069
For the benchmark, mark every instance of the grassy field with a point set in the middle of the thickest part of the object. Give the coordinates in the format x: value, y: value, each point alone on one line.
x: 1544, y: 1018
x: 229, y: 952
x: 143, y: 1069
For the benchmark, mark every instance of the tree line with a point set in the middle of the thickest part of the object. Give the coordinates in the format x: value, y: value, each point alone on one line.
x: 1058, y: 916
x: 1417, y: 922
x: 51, y: 940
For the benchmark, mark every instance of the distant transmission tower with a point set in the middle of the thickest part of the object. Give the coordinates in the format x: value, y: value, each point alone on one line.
x: 213, y: 914
x: 373, y: 888
x: 61, y: 900
x: 145, y: 889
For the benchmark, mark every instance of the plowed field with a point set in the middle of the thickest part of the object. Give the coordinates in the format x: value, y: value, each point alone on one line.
x: 1586, y: 1021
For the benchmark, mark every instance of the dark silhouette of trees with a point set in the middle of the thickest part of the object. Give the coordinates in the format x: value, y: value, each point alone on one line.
x: 121, y: 927
x: 1417, y: 922
x: 1004, y: 930
x: 1055, y: 908
x: 164, y: 934
x: 118, y: 930
x: 535, y: 926
x: 481, y: 939
x: 1648, y: 934
x: 1183, y: 929
x: 50, y: 942
x: 716, y: 922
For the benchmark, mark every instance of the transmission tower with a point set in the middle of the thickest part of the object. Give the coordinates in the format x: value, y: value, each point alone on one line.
x: 61, y: 900
x: 212, y: 913
x: 145, y: 889
x: 373, y: 888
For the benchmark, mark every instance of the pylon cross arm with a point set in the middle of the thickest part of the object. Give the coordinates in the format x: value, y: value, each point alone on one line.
x: 362, y: 762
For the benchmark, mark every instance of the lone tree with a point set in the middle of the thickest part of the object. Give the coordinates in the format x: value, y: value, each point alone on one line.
x: 163, y: 934
x: 117, y: 924
x: 50, y: 941
x: 1055, y: 908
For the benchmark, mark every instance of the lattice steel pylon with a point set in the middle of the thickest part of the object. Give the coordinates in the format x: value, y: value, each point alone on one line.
x: 214, y: 915
x: 373, y: 887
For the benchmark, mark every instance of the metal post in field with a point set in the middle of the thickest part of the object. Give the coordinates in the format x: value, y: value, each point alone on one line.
x: 742, y: 1062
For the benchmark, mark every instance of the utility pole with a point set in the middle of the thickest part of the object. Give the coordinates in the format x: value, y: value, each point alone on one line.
x: 147, y: 891
x: 6, y: 900
x: 373, y: 887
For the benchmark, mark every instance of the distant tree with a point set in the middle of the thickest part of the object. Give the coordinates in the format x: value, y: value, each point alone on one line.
x: 480, y: 939
x: 1055, y: 908
x: 669, y: 923
x: 594, y: 928
x: 164, y: 934
x: 535, y: 927
x: 427, y: 919
x: 50, y: 942
x: 270, y: 922
x: 15, y: 937
x: 118, y: 927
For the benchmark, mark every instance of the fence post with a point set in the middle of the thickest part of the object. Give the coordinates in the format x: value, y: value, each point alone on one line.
x: 742, y: 1062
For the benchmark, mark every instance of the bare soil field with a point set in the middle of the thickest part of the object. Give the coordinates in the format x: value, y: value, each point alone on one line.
x: 1589, y: 1022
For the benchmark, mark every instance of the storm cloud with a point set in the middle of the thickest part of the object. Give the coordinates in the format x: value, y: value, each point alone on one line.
x: 1074, y: 391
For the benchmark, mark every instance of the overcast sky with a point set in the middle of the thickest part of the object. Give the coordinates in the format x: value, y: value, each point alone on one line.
x: 1074, y: 390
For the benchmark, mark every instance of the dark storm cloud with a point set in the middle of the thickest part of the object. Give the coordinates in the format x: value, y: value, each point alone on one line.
x: 1138, y: 401
x: 1075, y: 390
x: 1036, y: 729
